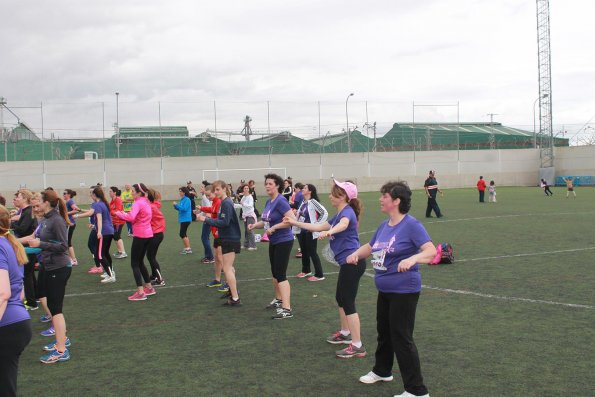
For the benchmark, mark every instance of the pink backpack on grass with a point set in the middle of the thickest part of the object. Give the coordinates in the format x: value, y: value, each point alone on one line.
x: 444, y: 254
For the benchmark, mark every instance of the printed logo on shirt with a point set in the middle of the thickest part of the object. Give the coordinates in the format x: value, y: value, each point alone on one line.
x: 379, y: 251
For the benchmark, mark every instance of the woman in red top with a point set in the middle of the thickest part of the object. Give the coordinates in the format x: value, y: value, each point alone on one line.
x: 213, y: 210
x: 116, y: 205
x: 481, y: 187
x: 158, y: 226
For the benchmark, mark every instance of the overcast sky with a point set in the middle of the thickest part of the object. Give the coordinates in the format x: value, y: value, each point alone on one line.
x: 181, y: 56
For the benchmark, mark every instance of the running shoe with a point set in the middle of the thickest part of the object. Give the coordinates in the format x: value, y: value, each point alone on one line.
x: 338, y: 338
x: 231, y: 302
x: 46, y: 318
x: 314, y: 278
x: 55, y: 356
x: 223, y: 288
x: 251, y: 248
x: 275, y: 304
x: 226, y: 295
x: 120, y: 255
x: 48, y: 332
x: 157, y: 282
x: 351, y: 351
x: 109, y: 279
x: 407, y: 394
x: 74, y: 263
x: 185, y: 251
x: 214, y: 283
x: 302, y: 275
x: 137, y: 296
x: 298, y: 255
x: 371, y: 377
x: 282, y: 314
x: 149, y: 291
x: 207, y: 260
x: 31, y: 308
x: 95, y: 270
x: 52, y: 345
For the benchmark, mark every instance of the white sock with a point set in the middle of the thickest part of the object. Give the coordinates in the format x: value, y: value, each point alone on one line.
x: 345, y: 332
x: 357, y: 344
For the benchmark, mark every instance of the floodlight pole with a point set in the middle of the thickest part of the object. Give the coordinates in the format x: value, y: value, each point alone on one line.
x: 118, y: 124
x: 534, y: 123
x: 347, y: 118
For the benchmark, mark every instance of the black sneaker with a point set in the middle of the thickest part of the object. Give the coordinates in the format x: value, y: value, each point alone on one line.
x: 282, y: 313
x: 231, y: 302
x: 226, y: 295
x: 157, y: 282
x: 275, y: 304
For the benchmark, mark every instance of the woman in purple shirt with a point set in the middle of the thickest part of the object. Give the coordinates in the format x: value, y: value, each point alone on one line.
x: 341, y: 230
x: 399, y: 245
x: 281, y: 242
x: 15, y: 323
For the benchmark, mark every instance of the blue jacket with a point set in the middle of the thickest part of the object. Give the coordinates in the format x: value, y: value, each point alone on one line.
x: 227, y: 222
x: 184, y: 210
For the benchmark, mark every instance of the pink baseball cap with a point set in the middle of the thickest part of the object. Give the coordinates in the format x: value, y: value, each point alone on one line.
x: 349, y: 188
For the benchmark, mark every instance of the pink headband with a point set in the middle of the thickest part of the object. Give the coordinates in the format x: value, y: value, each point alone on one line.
x: 140, y: 187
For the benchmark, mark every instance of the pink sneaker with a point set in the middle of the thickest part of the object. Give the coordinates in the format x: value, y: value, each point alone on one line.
x: 138, y: 296
x: 302, y: 275
x: 96, y: 270
x: 314, y: 278
x: 149, y: 291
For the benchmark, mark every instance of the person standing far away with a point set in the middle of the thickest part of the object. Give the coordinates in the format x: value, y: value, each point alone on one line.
x: 492, y: 192
x: 569, y: 186
x: 192, y: 195
x: 481, y: 188
x: 546, y: 188
x: 206, y: 229
x: 127, y: 197
x: 431, y: 186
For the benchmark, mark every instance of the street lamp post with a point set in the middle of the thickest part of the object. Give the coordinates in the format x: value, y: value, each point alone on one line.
x: 118, y: 124
x: 534, y: 128
x: 347, y: 118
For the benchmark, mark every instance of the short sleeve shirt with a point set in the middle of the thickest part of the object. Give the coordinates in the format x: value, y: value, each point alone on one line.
x: 15, y: 309
x: 273, y: 214
x: 346, y: 242
x: 390, y: 245
x: 107, y: 228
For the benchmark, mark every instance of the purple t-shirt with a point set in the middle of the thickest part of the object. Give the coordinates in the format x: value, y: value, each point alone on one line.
x: 107, y: 227
x: 15, y: 309
x: 69, y: 204
x: 347, y: 242
x: 273, y: 214
x: 392, y: 244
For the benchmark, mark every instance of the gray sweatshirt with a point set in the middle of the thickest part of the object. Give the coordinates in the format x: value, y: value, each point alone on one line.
x: 54, y: 241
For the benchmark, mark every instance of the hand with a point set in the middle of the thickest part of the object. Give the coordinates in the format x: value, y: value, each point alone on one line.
x: 34, y: 243
x: 405, y: 265
x: 324, y: 234
x: 352, y: 259
x: 251, y: 226
x: 270, y: 231
x: 99, y: 236
x: 175, y: 203
x: 288, y: 220
x: 90, y: 226
x: 200, y: 218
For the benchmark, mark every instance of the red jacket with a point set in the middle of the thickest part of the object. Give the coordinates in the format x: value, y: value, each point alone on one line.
x: 481, y: 185
x: 213, y: 210
x: 116, y: 205
x: 157, y: 218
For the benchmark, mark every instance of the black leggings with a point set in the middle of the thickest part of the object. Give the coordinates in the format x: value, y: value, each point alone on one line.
x: 184, y: 229
x: 152, y: 249
x: 309, y: 246
x: 347, y: 285
x: 13, y: 340
x: 118, y: 232
x: 70, y: 233
x: 92, y: 245
x: 29, y: 280
x: 55, y: 288
x: 279, y: 257
x: 137, y: 254
x: 102, y: 253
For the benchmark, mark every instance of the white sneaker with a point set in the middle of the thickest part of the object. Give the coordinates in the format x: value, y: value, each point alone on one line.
x: 407, y: 394
x: 111, y: 279
x: 104, y: 275
x: 371, y: 377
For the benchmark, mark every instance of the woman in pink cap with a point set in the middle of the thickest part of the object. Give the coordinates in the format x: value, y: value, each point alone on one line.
x: 341, y: 230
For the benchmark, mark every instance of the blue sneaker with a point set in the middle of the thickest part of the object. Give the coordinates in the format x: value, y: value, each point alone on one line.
x: 223, y: 288
x: 55, y: 356
x: 52, y: 345
x: 45, y: 318
x: 48, y: 332
x: 214, y: 283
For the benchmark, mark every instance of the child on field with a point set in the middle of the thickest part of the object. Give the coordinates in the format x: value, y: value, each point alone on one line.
x: 492, y: 192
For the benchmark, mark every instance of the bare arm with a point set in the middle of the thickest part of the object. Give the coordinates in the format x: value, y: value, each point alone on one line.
x: 361, y: 253
x: 4, y: 291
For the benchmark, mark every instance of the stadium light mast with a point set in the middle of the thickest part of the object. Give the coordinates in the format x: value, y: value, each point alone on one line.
x: 545, y: 86
x: 347, y: 118
x: 492, y: 136
x: 118, y: 123
x: 534, y: 126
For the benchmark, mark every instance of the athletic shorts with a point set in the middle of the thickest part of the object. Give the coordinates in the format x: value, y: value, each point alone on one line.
x: 228, y: 246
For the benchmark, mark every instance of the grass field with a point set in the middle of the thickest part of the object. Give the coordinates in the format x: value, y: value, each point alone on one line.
x: 515, y: 315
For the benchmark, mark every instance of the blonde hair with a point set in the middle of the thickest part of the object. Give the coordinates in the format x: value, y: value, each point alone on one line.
x: 18, y: 248
x: 223, y: 185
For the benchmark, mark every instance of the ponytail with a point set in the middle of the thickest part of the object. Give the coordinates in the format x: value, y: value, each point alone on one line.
x: 18, y: 248
x: 357, y: 206
x: 52, y: 197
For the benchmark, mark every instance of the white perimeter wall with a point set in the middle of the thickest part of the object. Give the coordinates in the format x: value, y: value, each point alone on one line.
x: 454, y: 169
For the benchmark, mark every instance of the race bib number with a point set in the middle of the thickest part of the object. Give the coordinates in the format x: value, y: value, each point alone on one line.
x: 378, y: 259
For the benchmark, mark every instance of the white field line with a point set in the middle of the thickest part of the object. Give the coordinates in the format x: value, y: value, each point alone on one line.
x: 524, y: 254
